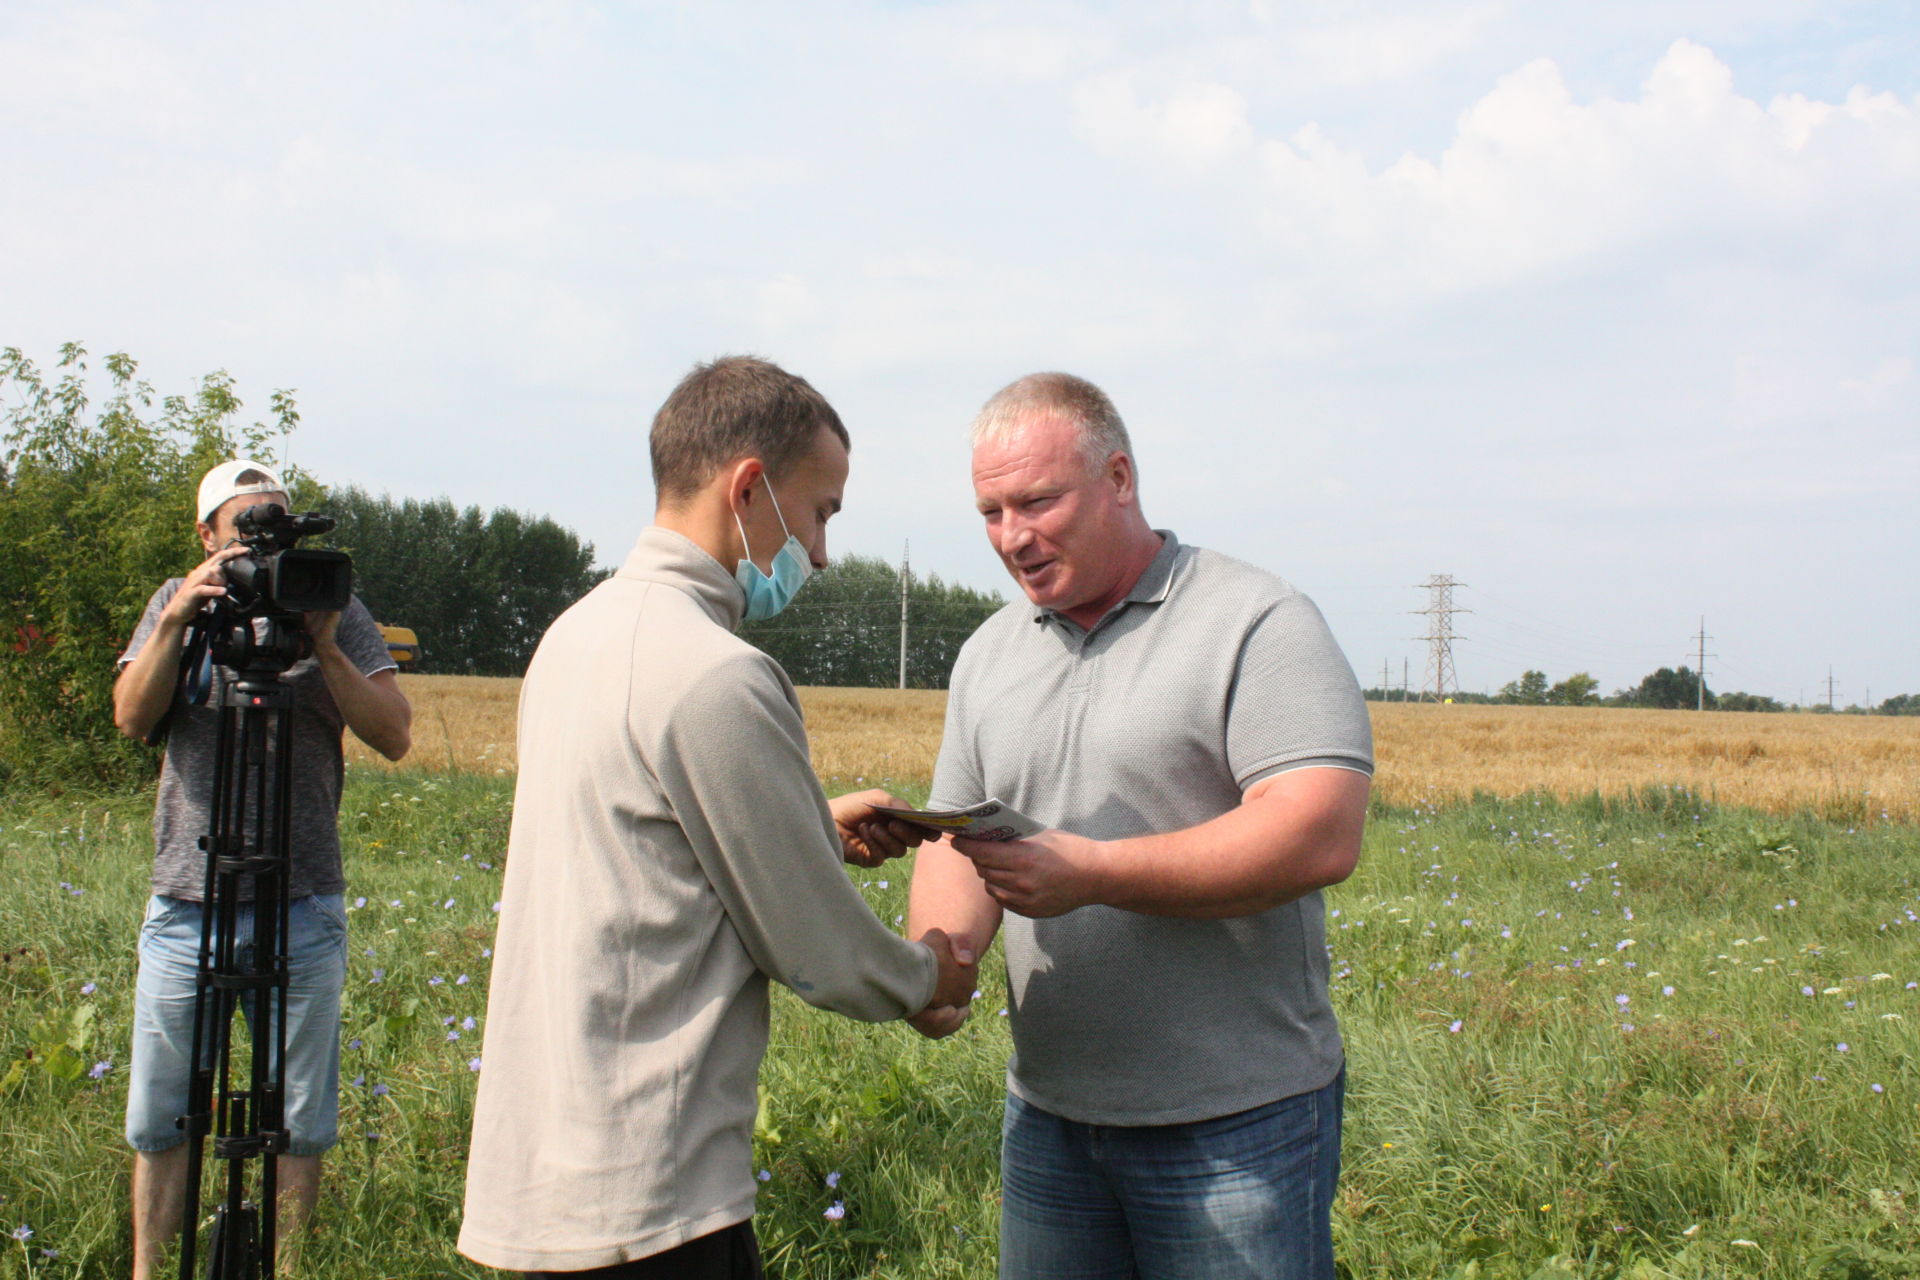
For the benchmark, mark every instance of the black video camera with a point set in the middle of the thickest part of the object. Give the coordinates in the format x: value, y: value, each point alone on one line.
x: 275, y: 577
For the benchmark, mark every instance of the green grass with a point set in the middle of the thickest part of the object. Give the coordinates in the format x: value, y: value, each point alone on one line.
x: 1725, y: 1134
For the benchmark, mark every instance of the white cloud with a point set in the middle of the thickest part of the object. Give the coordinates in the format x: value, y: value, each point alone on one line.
x: 1195, y: 124
x: 1534, y: 183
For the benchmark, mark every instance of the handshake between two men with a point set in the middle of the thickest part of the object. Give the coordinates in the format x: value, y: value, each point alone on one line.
x: 1048, y: 873
x: 868, y: 839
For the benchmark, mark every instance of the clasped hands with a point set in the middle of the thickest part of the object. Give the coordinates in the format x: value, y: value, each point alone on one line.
x: 1048, y: 874
x: 867, y: 840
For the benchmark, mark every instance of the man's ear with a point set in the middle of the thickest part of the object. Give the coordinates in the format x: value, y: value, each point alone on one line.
x: 743, y: 484
x: 205, y: 531
x: 1120, y: 475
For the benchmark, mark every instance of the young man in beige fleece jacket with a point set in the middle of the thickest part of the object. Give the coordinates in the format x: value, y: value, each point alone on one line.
x: 671, y: 850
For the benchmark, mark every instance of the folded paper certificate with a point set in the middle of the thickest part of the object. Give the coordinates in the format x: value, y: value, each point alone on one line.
x: 989, y: 820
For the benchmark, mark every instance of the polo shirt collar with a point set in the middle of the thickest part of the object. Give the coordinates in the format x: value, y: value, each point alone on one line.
x: 1151, y: 587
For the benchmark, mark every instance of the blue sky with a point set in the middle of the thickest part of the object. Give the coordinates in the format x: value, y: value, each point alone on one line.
x: 1609, y: 311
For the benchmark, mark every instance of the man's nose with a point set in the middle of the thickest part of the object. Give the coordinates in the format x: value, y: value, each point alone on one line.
x: 1015, y: 534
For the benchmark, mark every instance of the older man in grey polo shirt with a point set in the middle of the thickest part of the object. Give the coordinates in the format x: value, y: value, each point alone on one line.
x: 1189, y: 729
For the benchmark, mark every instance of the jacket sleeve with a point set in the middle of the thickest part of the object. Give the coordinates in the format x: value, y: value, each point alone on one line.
x: 733, y: 764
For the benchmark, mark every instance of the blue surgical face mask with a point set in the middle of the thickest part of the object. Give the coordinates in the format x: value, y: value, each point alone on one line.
x: 792, y: 566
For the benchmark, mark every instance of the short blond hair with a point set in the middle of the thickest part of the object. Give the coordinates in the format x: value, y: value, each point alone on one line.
x: 1099, y: 433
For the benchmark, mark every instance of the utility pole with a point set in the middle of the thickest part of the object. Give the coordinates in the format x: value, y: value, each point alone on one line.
x: 1829, y: 687
x: 906, y: 575
x: 1700, y: 667
x: 1386, y: 681
x: 1403, y: 679
x: 1440, y: 637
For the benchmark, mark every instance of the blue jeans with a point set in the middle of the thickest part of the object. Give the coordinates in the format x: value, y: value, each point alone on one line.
x: 159, y: 1074
x: 1241, y: 1197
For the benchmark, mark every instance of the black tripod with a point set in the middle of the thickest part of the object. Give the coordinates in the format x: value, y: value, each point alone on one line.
x: 248, y: 848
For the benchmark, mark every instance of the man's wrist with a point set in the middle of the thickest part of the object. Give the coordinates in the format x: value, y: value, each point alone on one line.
x: 171, y: 625
x: 1104, y: 878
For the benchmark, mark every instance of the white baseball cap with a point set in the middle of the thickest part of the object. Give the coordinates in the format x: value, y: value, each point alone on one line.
x: 223, y: 483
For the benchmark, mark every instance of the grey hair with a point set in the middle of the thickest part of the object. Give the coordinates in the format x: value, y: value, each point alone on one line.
x: 1099, y: 432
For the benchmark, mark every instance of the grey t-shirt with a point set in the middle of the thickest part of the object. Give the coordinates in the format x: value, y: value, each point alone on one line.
x: 1210, y: 676
x: 182, y: 813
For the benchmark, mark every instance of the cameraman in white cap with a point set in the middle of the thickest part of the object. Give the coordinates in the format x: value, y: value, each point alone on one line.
x: 347, y: 681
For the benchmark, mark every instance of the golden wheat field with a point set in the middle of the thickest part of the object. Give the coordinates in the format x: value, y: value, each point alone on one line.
x: 1854, y: 768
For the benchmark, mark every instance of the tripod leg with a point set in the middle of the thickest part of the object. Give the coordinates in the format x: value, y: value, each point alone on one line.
x: 248, y: 857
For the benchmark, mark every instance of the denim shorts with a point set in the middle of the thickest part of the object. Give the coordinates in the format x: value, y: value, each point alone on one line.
x: 159, y: 1076
x: 1247, y: 1196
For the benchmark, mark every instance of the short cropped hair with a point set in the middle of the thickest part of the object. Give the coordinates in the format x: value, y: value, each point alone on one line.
x: 732, y: 408
x: 1100, y: 432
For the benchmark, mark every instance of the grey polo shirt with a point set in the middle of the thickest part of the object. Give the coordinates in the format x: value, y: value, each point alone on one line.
x: 1211, y: 675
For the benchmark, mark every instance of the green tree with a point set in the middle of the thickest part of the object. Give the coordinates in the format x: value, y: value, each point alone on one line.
x: 1746, y: 702
x: 96, y: 511
x: 1901, y: 704
x: 1577, y: 690
x: 844, y: 628
x: 1529, y: 690
x: 1671, y: 689
x: 479, y: 590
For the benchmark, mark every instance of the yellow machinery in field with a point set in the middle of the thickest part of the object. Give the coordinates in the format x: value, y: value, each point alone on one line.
x: 402, y: 644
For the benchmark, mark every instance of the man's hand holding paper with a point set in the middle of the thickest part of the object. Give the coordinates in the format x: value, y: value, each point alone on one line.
x: 988, y: 820
x: 869, y: 831
x: 1048, y: 873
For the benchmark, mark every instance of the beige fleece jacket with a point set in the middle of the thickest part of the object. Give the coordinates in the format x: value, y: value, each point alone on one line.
x: 670, y: 851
